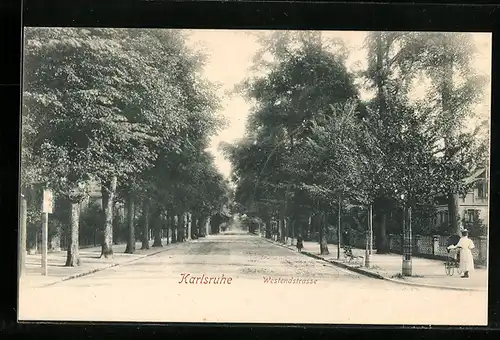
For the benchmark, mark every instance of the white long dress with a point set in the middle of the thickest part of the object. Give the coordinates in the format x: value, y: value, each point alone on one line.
x: 466, y: 259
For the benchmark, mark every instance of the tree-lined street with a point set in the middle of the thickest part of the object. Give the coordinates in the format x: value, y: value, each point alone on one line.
x: 329, y: 150
x: 104, y: 116
x: 124, y: 137
x: 149, y: 290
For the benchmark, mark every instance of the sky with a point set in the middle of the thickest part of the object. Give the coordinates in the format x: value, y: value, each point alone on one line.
x: 230, y: 58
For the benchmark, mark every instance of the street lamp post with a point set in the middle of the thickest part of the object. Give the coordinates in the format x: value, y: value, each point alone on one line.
x: 406, y: 269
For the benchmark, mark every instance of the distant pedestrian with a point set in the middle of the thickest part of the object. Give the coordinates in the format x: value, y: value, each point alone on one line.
x: 300, y: 244
x: 465, y: 246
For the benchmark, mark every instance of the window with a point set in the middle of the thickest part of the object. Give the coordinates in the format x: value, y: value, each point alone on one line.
x: 442, y: 216
x: 469, y: 215
x: 481, y: 190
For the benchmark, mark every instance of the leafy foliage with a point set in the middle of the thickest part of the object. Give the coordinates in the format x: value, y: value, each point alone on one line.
x: 310, y: 135
x: 120, y: 103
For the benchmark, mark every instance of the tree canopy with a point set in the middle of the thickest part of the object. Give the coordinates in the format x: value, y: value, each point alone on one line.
x: 126, y: 108
x: 313, y: 142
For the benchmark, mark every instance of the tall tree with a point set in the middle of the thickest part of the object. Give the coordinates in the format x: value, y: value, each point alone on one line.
x: 303, y: 77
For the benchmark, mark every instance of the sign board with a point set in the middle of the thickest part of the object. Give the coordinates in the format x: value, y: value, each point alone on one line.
x: 48, y: 202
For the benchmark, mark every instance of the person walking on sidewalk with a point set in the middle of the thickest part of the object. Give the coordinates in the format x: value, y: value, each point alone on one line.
x: 300, y: 243
x: 465, y: 246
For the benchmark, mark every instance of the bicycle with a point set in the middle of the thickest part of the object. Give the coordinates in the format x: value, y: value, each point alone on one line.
x: 452, y: 262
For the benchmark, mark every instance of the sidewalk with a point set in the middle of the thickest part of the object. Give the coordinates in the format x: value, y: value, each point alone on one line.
x: 90, y: 263
x: 426, y: 272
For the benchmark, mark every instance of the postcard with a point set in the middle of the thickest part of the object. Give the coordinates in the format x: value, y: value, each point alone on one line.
x: 255, y: 176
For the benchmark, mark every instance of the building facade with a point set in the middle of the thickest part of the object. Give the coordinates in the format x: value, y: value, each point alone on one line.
x: 475, y: 201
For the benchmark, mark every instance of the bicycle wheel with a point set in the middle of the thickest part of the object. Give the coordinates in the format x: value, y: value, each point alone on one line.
x: 447, y: 268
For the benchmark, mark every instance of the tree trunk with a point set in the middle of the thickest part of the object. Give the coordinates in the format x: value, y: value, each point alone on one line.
x: 173, y: 226
x: 454, y: 217
x: 309, y: 227
x: 180, y: 227
x: 157, y: 229
x: 320, y: 237
x: 201, y: 226
x: 23, y: 236
x: 201, y: 223
x: 55, y: 240
x: 446, y: 100
x: 73, y: 254
x: 281, y: 221
x: 192, y: 226
x: 280, y: 236
x: 268, y: 228
x: 189, y: 226
x: 167, y: 227
x: 178, y: 230
x: 298, y: 226
x: 145, y: 235
x: 108, y: 195
x: 184, y: 226
x: 213, y: 225
x: 130, y: 224
x: 380, y: 76
x: 208, y: 225
x: 382, y: 240
x: 323, y: 247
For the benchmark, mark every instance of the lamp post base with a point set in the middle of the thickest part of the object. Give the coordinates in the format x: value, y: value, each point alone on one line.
x: 368, y: 259
x: 407, y: 268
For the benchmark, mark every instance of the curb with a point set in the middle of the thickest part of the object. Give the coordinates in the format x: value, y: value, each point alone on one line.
x: 378, y: 276
x: 74, y: 276
x: 95, y: 270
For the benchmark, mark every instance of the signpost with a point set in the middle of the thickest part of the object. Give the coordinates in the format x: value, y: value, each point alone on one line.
x: 47, y: 206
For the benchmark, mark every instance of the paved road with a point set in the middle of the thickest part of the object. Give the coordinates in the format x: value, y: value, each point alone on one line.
x: 149, y: 290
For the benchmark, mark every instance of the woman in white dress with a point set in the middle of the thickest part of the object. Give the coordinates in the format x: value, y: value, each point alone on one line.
x: 465, y: 246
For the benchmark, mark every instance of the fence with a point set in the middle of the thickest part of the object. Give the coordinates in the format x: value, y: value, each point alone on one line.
x: 34, y: 241
x: 423, y: 246
x: 435, y: 246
